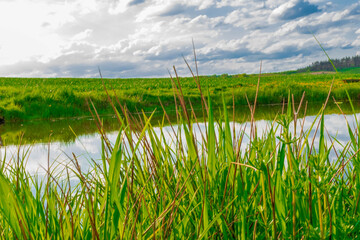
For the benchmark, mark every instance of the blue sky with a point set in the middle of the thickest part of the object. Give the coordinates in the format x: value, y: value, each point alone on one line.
x: 145, y: 38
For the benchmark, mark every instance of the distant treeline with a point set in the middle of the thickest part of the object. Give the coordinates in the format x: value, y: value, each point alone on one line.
x: 347, y: 62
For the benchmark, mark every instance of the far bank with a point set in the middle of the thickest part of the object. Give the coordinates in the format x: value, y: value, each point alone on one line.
x: 50, y: 98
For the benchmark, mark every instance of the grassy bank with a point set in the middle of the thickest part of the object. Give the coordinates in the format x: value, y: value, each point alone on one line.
x: 209, y: 186
x: 24, y: 99
x: 37, y: 131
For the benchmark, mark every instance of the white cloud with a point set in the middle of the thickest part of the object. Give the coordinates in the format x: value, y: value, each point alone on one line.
x: 119, y: 6
x: 82, y: 35
x: 23, y: 33
x: 144, y: 38
x: 248, y: 20
x: 200, y: 4
x: 170, y: 8
x: 233, y: 17
x: 356, y: 43
x: 293, y: 9
x: 240, y: 3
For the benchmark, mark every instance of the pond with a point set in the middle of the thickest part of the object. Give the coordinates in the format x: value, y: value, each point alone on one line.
x: 39, y: 141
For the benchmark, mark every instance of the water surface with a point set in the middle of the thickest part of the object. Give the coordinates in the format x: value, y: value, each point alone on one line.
x: 58, y: 140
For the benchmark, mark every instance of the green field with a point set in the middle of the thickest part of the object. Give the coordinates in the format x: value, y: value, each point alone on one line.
x: 25, y: 99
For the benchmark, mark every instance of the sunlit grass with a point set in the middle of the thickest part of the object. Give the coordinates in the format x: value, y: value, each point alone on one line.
x: 24, y: 99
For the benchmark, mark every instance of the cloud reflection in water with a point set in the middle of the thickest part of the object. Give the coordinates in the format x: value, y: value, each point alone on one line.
x: 87, y: 147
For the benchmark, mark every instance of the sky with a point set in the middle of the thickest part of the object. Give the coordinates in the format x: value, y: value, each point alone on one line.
x: 146, y: 38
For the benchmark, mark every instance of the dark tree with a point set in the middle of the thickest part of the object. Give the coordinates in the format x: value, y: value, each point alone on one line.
x: 346, y: 62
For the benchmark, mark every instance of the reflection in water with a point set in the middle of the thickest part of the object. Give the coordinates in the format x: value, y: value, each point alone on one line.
x: 87, y: 142
x: 87, y: 147
x: 39, y: 131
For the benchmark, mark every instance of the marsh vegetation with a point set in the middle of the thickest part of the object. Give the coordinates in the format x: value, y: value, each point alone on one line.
x: 199, y: 185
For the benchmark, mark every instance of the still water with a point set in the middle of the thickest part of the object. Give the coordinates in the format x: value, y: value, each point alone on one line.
x: 57, y: 141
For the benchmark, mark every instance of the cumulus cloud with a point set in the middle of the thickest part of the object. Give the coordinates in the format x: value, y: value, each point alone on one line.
x: 161, y: 8
x: 248, y: 20
x: 142, y: 38
x: 293, y: 9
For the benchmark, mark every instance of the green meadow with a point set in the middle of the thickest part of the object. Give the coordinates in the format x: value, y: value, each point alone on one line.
x: 49, y: 98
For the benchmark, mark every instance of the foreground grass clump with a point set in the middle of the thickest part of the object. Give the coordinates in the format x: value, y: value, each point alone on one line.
x: 32, y: 98
x: 210, y: 185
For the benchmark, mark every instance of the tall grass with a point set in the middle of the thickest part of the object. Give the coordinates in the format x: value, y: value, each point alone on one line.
x: 192, y: 187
